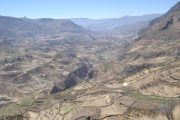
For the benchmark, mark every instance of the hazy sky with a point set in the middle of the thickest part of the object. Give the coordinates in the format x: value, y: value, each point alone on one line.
x: 82, y: 8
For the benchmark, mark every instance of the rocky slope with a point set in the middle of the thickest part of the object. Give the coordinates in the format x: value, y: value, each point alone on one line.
x: 156, y: 54
x: 166, y: 26
x: 84, y: 73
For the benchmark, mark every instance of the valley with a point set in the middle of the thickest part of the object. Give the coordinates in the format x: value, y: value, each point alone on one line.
x: 52, y: 69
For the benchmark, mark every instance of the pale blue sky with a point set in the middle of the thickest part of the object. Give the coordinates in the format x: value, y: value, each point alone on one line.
x: 82, y: 8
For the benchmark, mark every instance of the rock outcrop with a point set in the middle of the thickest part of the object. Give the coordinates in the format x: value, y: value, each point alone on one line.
x: 83, y: 73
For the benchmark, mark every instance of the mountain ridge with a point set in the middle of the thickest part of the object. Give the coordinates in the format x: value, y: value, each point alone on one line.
x: 111, y: 23
x: 15, y: 27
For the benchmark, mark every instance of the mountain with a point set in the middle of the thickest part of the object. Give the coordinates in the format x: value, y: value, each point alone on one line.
x: 112, y: 23
x: 154, y: 59
x: 151, y: 68
x: 166, y: 26
x: 18, y: 27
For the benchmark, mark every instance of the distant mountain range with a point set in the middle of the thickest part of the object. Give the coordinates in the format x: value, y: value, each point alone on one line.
x: 110, y: 24
x: 24, y: 27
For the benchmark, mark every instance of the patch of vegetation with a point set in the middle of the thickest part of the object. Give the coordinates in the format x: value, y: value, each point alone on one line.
x: 154, y: 98
x: 141, y: 112
x: 155, y: 54
x: 39, y: 104
x: 4, y: 99
x: 133, y: 69
x: 108, y: 66
x: 10, y: 110
x: 70, y: 107
x: 26, y: 101
x: 174, y: 78
x: 167, y: 109
x: 177, y: 54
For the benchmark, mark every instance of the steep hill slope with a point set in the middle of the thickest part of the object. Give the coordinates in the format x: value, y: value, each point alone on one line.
x: 166, y: 26
x: 154, y: 59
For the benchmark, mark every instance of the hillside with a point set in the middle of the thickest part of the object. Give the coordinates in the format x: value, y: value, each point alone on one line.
x: 166, y: 26
x: 23, y: 27
x: 157, y: 54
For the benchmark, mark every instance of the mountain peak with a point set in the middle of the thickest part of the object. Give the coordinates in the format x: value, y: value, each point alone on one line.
x: 175, y: 7
x: 165, y: 26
